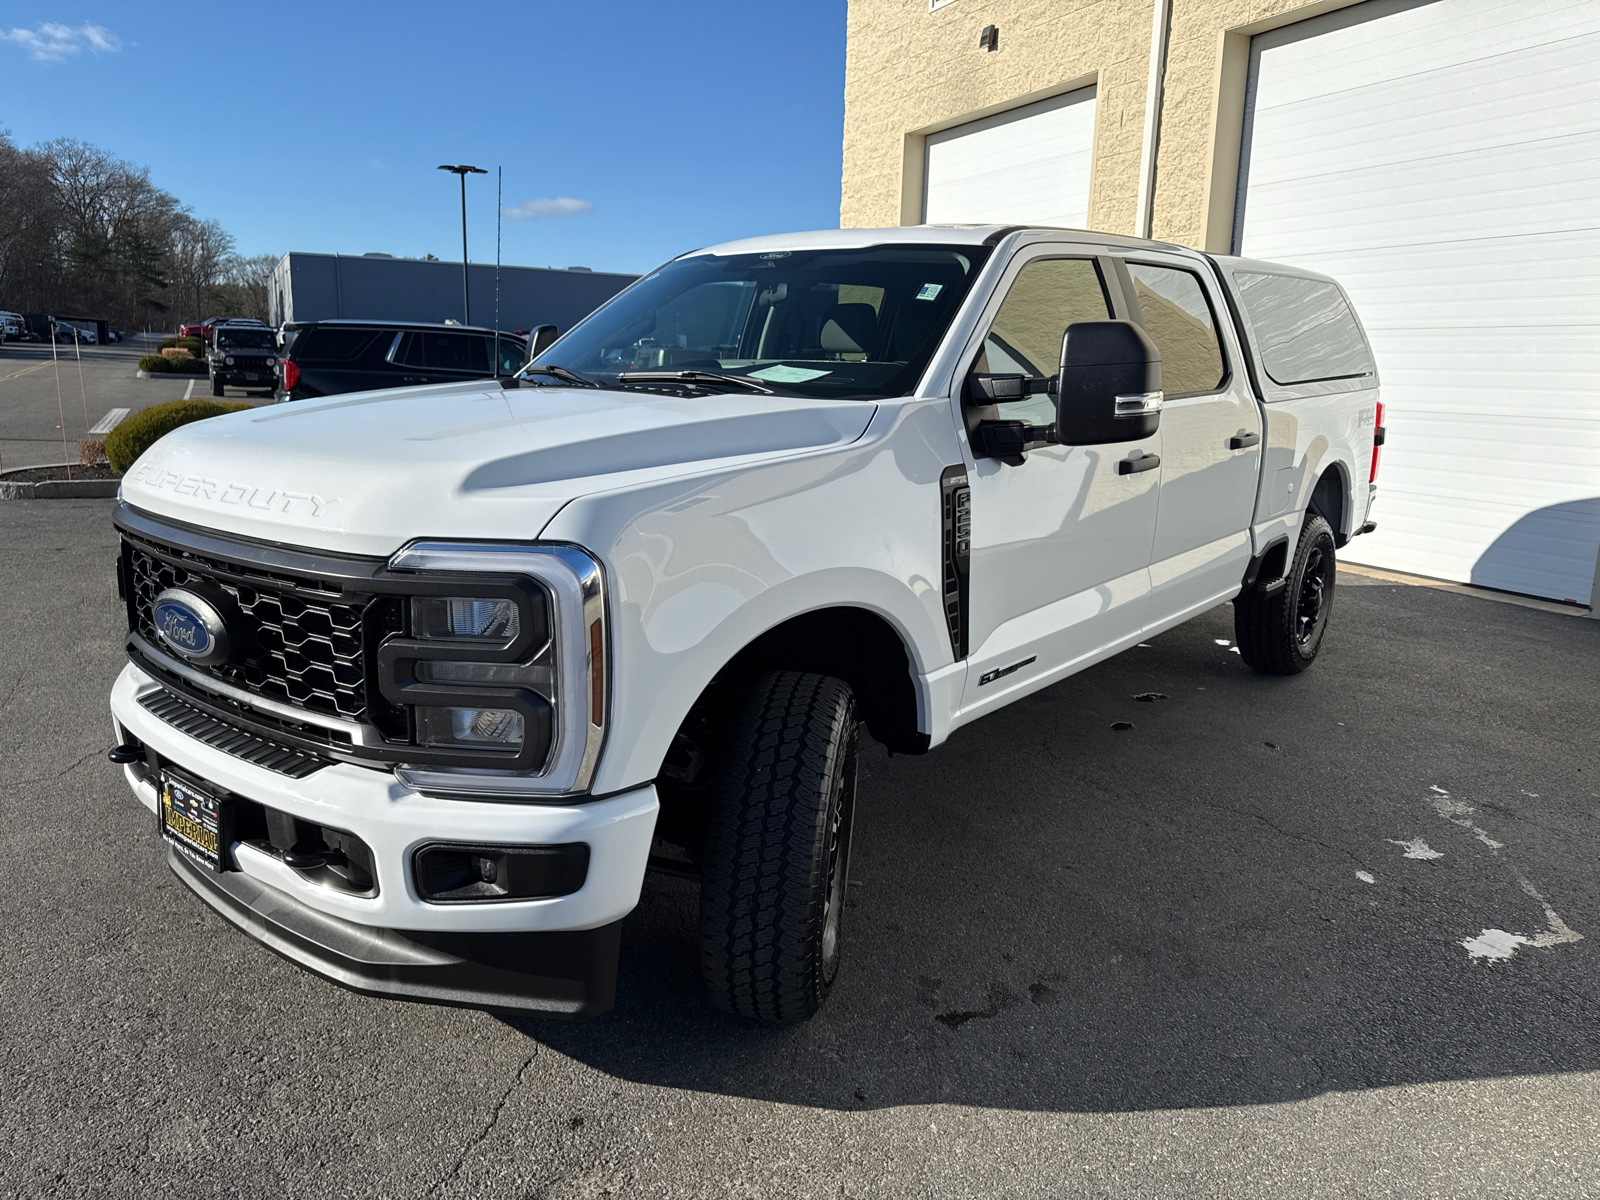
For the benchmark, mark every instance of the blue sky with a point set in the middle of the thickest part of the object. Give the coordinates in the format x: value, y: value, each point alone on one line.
x: 645, y: 127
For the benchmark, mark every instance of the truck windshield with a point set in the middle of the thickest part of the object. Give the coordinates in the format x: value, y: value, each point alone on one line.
x: 247, y: 339
x: 858, y: 323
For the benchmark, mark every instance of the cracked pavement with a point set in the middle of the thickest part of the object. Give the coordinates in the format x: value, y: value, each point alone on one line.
x: 1081, y: 962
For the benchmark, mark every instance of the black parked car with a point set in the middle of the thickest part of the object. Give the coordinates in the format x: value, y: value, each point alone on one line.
x: 325, y: 358
x: 244, y: 356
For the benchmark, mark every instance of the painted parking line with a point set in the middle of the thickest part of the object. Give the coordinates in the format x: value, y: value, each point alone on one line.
x: 25, y: 371
x: 188, y: 392
x: 110, y: 421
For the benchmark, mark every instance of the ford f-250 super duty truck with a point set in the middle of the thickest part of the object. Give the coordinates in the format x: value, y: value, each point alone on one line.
x: 422, y: 682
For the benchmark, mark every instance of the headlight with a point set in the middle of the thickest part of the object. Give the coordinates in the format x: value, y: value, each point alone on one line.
x: 492, y: 621
x: 228, y: 359
x: 470, y: 727
x: 514, y: 674
x: 271, y: 361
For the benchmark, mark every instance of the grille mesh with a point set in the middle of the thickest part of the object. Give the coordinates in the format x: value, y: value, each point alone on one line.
x: 307, y: 648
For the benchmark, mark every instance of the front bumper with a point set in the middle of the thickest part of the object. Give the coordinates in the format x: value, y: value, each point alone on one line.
x: 339, y: 934
x: 571, y: 974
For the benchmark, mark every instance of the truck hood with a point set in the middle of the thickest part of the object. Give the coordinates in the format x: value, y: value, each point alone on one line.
x: 368, y: 472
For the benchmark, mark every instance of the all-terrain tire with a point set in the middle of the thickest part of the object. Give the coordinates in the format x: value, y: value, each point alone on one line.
x: 777, y: 853
x: 216, y: 387
x: 1282, y: 633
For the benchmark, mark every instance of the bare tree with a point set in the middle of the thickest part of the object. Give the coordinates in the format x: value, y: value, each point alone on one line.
x: 199, y: 250
x: 245, y: 285
x: 86, y: 233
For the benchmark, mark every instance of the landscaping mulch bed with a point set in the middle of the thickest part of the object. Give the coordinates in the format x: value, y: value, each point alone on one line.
x: 41, y: 474
x: 52, y: 483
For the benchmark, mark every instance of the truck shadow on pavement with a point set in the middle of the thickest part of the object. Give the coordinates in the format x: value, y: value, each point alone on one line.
x: 1223, y: 904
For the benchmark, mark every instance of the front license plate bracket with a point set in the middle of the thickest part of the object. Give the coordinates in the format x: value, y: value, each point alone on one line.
x: 196, y: 819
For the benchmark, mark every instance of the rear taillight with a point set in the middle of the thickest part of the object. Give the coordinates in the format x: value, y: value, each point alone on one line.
x: 1378, y: 436
x: 291, y: 379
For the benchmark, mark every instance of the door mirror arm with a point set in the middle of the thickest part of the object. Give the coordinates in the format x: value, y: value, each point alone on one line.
x: 1010, y: 441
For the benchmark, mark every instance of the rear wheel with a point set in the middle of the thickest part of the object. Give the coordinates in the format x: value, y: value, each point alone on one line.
x: 1281, y: 633
x: 777, y: 856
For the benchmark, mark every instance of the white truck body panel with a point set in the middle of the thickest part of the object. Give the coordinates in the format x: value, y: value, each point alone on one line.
x: 718, y: 518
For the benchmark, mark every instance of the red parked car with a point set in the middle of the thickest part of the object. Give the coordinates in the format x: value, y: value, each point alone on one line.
x: 203, y: 329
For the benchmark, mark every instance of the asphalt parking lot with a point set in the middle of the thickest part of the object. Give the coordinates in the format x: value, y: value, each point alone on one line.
x: 1244, y: 948
x: 94, y: 381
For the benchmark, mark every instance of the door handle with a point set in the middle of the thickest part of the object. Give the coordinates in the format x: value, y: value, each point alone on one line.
x: 1132, y: 466
x: 1243, y: 441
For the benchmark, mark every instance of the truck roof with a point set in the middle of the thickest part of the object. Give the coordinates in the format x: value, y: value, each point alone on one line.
x: 946, y: 235
x: 357, y: 323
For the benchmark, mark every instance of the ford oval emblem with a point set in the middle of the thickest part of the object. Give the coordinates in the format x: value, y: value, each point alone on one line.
x: 190, y: 625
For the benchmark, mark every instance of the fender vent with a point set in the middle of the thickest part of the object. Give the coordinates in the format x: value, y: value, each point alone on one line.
x: 956, y: 501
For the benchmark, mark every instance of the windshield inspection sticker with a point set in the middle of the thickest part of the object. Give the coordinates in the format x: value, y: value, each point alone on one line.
x: 779, y: 373
x: 930, y: 291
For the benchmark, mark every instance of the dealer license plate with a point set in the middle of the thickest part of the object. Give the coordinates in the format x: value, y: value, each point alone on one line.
x: 251, y: 375
x: 196, y: 821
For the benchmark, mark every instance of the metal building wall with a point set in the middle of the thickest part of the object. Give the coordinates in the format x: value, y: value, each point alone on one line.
x: 317, y: 287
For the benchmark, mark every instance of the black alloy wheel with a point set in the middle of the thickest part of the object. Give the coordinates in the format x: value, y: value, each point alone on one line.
x: 1280, y: 632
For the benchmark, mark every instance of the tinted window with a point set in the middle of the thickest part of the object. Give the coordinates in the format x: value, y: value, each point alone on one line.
x: 1048, y: 295
x: 513, y: 353
x: 464, y: 352
x: 1304, y: 328
x: 247, y: 339
x: 1180, y: 322
x: 847, y: 322
x: 335, y: 346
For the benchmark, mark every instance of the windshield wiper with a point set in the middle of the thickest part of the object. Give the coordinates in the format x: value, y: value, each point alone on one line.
x: 697, y: 379
x: 561, y: 373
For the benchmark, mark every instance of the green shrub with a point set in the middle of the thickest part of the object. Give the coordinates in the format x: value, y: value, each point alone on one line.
x: 154, y: 364
x: 190, y: 366
x: 138, y: 433
x: 167, y: 343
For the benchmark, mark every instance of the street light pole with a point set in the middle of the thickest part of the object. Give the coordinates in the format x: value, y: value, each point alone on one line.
x: 466, y: 296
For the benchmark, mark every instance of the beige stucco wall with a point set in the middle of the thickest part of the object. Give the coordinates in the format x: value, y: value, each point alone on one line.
x: 909, y: 72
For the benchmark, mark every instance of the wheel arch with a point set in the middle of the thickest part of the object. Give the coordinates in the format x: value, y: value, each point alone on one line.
x: 1332, y: 501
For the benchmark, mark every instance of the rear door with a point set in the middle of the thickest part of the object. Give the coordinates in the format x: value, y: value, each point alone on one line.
x: 1211, y: 433
x: 442, y: 356
x: 335, y: 359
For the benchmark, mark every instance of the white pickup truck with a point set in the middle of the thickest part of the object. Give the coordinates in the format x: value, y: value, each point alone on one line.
x: 422, y: 682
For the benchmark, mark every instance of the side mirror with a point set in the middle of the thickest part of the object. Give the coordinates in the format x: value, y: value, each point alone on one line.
x: 1109, y: 389
x: 543, y: 338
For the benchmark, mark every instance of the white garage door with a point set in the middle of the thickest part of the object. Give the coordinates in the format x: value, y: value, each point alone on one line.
x: 1027, y: 166
x: 1442, y: 160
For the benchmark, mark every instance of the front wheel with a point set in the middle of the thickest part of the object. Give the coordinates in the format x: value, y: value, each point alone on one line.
x: 777, y: 856
x: 216, y: 387
x: 1282, y: 633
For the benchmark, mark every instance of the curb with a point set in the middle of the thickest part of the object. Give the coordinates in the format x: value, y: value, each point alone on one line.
x: 60, y: 489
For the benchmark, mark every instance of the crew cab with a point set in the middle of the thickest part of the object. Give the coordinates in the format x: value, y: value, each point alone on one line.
x: 421, y: 682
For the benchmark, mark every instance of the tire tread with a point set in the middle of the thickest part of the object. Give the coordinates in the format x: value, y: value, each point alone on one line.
x: 761, y: 898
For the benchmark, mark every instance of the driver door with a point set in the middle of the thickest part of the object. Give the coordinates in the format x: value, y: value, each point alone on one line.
x: 1060, y: 551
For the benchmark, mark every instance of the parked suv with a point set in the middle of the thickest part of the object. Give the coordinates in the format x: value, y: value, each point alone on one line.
x: 244, y: 356
x: 325, y: 358
x: 420, y: 689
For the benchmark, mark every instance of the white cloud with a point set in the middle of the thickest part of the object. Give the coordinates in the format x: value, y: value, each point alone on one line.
x: 560, y: 206
x: 51, y: 42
